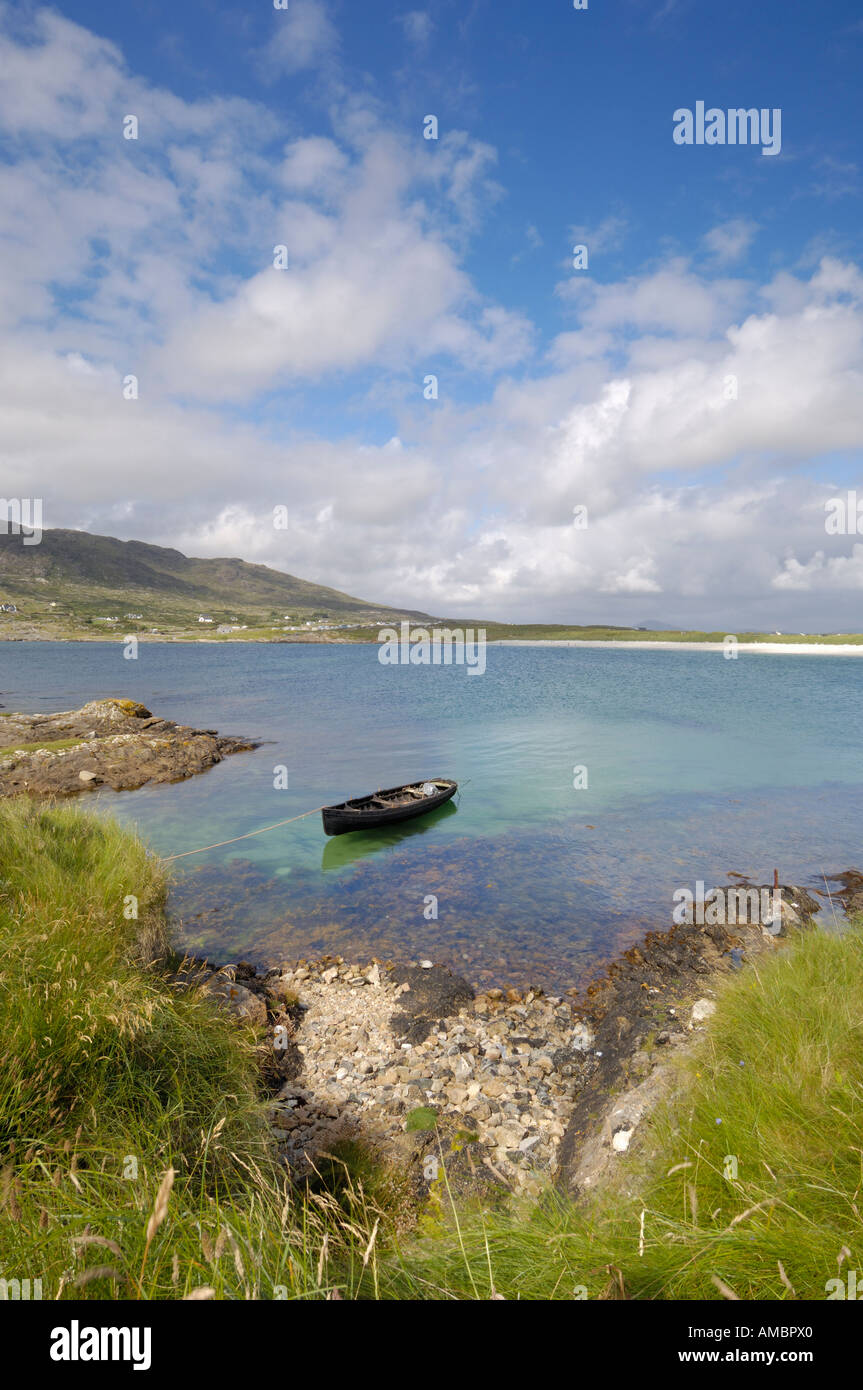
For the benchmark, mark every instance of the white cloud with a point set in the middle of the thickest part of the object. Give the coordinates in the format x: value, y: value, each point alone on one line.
x: 820, y: 573
x: 417, y: 26
x: 314, y: 165
x: 672, y: 299
x: 63, y: 82
x: 603, y: 238
x: 155, y: 257
x: 303, y: 37
x: 729, y: 241
x: 374, y: 227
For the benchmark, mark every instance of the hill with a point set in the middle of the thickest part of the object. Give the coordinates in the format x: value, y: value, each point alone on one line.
x: 77, y: 584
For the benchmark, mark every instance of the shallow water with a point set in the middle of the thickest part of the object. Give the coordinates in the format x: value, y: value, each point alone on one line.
x: 696, y: 766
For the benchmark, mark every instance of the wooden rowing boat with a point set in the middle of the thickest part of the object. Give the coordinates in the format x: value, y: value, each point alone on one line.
x: 387, y: 807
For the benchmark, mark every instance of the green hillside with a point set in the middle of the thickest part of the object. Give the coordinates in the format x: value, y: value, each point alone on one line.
x: 76, y: 584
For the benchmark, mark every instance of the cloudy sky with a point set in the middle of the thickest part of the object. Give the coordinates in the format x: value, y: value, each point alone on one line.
x: 697, y: 386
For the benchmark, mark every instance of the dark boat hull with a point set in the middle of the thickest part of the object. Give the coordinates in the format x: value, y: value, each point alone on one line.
x: 362, y: 814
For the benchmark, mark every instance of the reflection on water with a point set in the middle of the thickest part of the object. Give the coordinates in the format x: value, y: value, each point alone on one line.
x: 340, y: 850
x: 543, y: 907
x: 697, y: 766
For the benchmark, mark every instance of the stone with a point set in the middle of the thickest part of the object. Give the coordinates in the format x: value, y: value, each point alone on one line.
x: 494, y: 1087
x: 485, y: 1072
x: 428, y: 994
x: 281, y: 989
x: 702, y: 1009
x: 241, y: 1002
x: 508, y: 1136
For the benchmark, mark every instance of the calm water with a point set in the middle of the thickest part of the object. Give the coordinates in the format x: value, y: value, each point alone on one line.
x: 696, y: 766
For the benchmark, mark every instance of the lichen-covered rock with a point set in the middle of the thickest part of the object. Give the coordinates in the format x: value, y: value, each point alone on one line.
x: 113, y: 743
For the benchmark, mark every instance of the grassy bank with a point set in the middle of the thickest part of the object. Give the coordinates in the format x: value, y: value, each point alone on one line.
x: 110, y: 1080
x: 535, y: 632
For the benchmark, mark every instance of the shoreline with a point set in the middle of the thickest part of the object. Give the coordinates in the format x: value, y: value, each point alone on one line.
x: 776, y: 648
x: 760, y: 648
x: 541, y: 1087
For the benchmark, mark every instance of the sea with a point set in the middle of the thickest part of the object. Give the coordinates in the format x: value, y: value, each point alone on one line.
x: 593, y: 785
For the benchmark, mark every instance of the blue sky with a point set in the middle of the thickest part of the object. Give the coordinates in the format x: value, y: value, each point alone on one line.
x: 697, y: 386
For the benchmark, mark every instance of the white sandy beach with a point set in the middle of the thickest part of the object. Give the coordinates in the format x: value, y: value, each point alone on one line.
x: 774, y: 648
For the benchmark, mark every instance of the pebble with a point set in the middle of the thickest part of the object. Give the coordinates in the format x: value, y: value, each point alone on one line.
x: 490, y: 1066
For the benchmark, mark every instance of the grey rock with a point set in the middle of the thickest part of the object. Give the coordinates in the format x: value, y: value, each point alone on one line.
x: 241, y: 1002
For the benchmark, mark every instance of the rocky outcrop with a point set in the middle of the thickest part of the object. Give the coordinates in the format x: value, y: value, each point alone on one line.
x: 111, y: 743
x: 645, y: 1007
x: 850, y: 891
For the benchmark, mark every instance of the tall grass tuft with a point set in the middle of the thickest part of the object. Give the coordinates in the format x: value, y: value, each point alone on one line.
x: 110, y: 1079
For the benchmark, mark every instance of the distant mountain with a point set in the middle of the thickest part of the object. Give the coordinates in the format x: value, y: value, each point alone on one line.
x: 78, y: 576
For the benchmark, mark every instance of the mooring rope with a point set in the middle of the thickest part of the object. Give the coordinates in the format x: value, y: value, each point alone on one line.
x: 263, y: 830
x: 248, y: 836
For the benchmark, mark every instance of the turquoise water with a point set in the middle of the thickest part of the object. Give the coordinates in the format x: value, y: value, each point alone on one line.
x: 696, y: 766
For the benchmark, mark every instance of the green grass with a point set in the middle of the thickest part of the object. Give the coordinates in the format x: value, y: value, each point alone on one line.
x: 109, y: 1079
x: 550, y: 632
x: 53, y: 745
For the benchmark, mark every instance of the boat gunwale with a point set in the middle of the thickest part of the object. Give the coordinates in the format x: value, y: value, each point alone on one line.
x: 360, y: 805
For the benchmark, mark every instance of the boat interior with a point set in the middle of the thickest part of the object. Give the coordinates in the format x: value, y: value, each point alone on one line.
x: 397, y: 796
